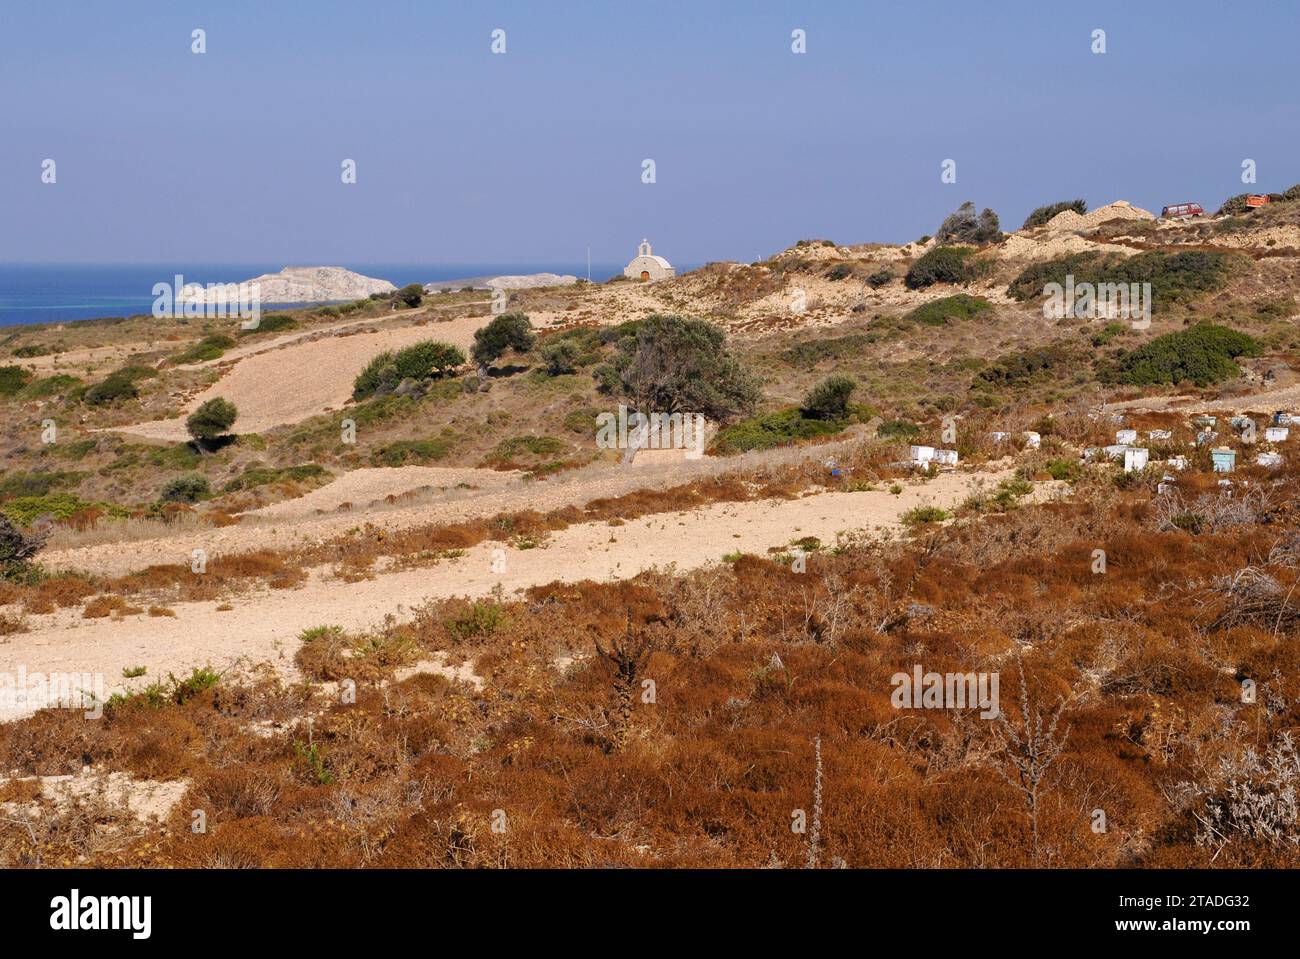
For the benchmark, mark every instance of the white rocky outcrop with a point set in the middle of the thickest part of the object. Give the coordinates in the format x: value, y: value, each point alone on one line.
x: 298, y: 284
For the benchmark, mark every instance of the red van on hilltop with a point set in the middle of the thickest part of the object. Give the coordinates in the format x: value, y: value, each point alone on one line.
x: 1181, y: 211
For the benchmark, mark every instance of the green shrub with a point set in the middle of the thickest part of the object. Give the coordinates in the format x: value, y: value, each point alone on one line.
x: 607, y: 378
x: 13, y: 379
x: 119, y: 385
x: 879, y: 278
x: 379, y: 376
x: 478, y: 619
x: 943, y: 264
x: 509, y: 331
x: 560, y: 356
x: 257, y: 475
x: 36, y: 484
x: 1043, y: 214
x: 1201, y: 354
x: 1174, y: 277
x: 1234, y: 205
x: 428, y: 358
x: 410, y: 295
x: 31, y: 350
x: 920, y: 515
x: 272, y: 323
x: 898, y: 429
x: 941, y: 312
x: 518, y: 446
x: 1028, y: 366
x: 829, y: 399
x: 172, y: 692
x: 208, y: 348
x: 1106, y: 333
x: 404, y: 451
x: 840, y: 271
x: 1068, y: 471
x: 186, y: 489
x: 581, y: 422
x: 48, y: 386
x: 778, y: 428
x: 59, y: 506
x: 811, y: 352
x: 419, y: 361
x: 212, y: 420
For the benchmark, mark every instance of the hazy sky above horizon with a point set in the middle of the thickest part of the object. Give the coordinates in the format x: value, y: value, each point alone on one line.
x: 465, y: 156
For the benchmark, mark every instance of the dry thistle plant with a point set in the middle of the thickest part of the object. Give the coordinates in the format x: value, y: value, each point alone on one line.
x: 624, y: 658
x: 1028, y: 750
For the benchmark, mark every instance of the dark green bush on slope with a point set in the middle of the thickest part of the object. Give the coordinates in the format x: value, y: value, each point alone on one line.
x: 943, y: 264
x: 419, y: 361
x: 116, y: 386
x: 13, y: 379
x: 509, y: 331
x: 209, y: 348
x: 773, y: 429
x: 1202, y: 355
x: 1024, y: 368
x: 960, y: 306
x: 1174, y: 277
x: 185, y: 489
x: 1045, y: 213
x: 829, y: 399
x: 212, y: 420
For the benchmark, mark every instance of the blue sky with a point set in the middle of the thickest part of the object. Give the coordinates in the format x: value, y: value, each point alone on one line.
x: 468, y: 157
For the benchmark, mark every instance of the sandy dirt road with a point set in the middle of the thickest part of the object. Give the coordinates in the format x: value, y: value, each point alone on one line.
x: 264, y: 627
x: 297, y: 523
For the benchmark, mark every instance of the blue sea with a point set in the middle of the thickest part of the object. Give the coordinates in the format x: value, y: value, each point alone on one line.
x: 61, y: 292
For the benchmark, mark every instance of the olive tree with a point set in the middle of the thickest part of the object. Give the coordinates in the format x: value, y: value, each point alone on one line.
x: 211, y: 421
x: 509, y: 331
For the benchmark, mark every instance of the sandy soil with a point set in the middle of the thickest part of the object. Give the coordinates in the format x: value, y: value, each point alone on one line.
x: 264, y: 627
x: 296, y: 522
x: 368, y: 486
x: 289, y: 385
x: 145, y: 799
x: 335, y: 329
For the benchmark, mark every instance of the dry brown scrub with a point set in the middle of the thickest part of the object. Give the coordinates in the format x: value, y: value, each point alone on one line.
x: 752, y: 664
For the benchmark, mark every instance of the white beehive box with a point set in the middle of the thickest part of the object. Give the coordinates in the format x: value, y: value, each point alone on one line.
x: 1135, y: 459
